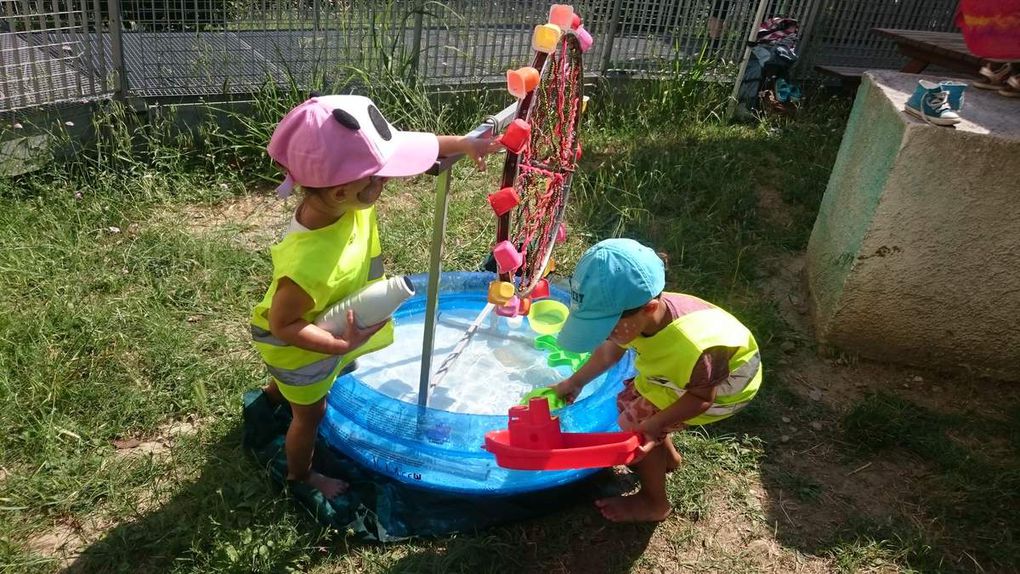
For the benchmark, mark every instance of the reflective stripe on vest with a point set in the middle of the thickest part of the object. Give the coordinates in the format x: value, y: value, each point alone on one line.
x: 260, y: 335
x: 308, y: 374
x: 738, y: 381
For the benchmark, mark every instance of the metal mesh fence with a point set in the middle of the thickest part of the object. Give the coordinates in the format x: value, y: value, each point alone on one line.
x: 68, y: 50
x: 51, y: 52
x: 842, y: 30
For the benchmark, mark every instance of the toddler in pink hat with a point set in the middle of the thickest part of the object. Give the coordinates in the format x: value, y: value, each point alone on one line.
x: 340, y: 150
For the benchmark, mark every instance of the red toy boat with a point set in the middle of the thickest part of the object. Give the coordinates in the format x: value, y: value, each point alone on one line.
x: 533, y: 441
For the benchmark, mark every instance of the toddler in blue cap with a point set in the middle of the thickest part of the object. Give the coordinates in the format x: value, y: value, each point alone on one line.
x: 696, y: 363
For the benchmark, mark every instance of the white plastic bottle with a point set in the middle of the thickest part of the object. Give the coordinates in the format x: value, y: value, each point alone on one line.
x: 373, y: 304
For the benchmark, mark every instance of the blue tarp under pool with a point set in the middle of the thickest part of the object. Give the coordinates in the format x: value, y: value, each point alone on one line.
x: 422, y: 472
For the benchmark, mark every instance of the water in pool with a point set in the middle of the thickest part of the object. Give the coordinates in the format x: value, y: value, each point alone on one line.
x: 493, y: 372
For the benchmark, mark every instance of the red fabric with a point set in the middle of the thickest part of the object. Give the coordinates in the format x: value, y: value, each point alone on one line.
x: 991, y: 28
x: 634, y: 409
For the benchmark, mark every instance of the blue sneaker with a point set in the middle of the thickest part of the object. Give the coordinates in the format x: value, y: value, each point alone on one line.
x: 955, y: 90
x: 930, y: 103
x: 787, y: 92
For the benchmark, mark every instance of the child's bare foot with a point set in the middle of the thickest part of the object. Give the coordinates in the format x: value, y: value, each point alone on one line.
x: 329, y: 487
x: 633, y: 508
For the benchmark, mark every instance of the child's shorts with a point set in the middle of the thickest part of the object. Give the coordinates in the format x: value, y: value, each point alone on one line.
x: 634, y: 409
x: 306, y: 394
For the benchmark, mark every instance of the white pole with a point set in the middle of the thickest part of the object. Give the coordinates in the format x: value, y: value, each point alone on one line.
x: 492, y: 124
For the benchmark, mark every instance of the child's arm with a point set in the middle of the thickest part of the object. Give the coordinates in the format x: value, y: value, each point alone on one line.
x: 286, y: 322
x: 691, y: 404
x: 475, y: 148
x: 606, y: 355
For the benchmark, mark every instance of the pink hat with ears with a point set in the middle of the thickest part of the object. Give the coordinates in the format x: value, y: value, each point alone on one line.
x: 332, y: 140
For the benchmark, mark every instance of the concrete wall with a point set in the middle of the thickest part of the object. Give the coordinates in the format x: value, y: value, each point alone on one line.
x: 915, y: 255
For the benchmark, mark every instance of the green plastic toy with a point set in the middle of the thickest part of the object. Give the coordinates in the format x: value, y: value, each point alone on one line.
x: 557, y: 358
x: 555, y: 402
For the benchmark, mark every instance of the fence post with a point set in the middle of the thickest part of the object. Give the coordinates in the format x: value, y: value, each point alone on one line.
x: 419, y: 18
x: 811, y: 22
x: 117, y: 49
x: 752, y: 35
x: 614, y: 21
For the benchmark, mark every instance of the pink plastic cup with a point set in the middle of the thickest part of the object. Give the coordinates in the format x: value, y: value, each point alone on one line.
x: 562, y: 15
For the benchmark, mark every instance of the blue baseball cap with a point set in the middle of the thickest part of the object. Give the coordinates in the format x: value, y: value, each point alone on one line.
x: 613, y: 276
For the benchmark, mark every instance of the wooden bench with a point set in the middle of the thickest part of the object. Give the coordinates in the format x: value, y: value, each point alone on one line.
x: 924, y: 48
x: 849, y: 77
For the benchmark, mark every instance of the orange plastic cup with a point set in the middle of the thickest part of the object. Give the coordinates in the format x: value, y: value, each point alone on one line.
x: 521, y: 81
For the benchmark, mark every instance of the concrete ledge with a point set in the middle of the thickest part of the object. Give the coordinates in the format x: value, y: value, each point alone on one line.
x: 915, y: 255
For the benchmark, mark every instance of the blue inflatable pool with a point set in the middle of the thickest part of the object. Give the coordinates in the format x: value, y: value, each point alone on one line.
x: 374, y: 418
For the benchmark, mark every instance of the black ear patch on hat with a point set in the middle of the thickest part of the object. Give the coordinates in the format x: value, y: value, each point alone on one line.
x: 380, y: 123
x: 346, y: 119
x: 314, y: 94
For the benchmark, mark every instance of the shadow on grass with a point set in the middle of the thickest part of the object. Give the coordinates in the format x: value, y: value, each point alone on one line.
x: 226, y: 518
x: 230, y: 518
x: 890, y: 482
x: 578, y: 540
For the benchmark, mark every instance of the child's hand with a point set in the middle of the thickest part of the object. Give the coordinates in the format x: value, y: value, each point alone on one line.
x: 478, y: 148
x: 567, y: 390
x: 356, y: 336
x: 643, y: 450
x: 652, y: 436
x: 652, y: 430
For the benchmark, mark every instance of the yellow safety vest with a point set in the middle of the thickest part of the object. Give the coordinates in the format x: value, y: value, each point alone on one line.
x: 329, y: 264
x: 666, y: 360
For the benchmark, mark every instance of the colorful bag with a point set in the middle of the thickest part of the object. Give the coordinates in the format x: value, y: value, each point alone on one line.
x: 991, y: 28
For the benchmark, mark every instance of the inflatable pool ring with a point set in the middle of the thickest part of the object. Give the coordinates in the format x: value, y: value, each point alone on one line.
x: 437, y: 449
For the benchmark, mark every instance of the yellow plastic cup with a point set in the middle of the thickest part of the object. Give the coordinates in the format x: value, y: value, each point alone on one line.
x: 547, y: 316
x: 546, y: 37
x: 500, y: 292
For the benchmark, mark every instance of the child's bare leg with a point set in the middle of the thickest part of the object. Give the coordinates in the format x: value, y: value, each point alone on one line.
x: 672, y: 456
x: 651, y: 503
x: 300, y: 445
x: 273, y: 392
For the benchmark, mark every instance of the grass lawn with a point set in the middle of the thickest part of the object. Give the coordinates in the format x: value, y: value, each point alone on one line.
x: 129, y: 273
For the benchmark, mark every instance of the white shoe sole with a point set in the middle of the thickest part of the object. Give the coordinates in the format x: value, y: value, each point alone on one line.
x: 935, y: 120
